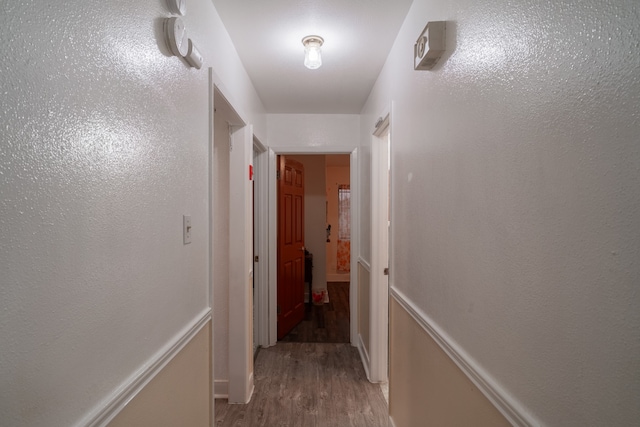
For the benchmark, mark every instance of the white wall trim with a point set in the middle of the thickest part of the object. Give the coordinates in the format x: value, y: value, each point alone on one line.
x: 251, y: 386
x: 240, y: 266
x: 221, y: 389
x: 271, y: 318
x: 364, y: 356
x: 261, y: 273
x: 120, y: 398
x: 211, y: 284
x: 508, y: 406
x: 354, y: 175
x: 379, y: 295
x: 365, y: 264
x: 304, y: 149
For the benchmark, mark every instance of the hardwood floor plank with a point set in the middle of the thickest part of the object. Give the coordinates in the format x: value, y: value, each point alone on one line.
x: 308, y: 384
x: 326, y: 322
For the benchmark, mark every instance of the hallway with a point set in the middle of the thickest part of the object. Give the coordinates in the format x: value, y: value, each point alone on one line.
x: 308, y: 384
x: 134, y: 258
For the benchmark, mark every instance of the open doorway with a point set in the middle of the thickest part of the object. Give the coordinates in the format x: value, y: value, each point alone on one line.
x: 231, y: 265
x: 326, y: 292
x: 338, y: 213
x: 318, y: 233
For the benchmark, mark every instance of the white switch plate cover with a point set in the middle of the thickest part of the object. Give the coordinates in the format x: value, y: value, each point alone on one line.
x: 186, y: 229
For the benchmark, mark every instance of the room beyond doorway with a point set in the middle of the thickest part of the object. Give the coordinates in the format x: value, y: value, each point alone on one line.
x: 326, y: 322
x: 327, y: 225
x: 316, y: 235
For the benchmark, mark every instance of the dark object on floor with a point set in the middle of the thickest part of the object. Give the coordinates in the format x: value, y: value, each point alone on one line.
x: 308, y: 270
x: 327, y: 322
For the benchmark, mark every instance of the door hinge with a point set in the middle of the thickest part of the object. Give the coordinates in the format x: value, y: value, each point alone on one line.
x: 256, y: 258
x: 386, y: 271
x: 278, y: 175
x: 279, y: 310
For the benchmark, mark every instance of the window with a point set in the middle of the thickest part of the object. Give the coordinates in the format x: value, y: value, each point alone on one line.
x: 344, y: 212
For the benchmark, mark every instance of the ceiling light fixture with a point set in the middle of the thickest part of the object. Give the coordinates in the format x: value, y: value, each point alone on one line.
x: 312, y: 53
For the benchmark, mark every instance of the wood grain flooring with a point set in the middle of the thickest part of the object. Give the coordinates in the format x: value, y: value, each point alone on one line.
x: 326, y: 322
x: 308, y: 385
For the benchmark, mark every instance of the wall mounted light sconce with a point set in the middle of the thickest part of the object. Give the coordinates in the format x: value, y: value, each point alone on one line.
x: 312, y: 52
x: 430, y: 46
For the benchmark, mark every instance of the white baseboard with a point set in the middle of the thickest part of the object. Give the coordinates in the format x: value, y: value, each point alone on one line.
x: 339, y: 277
x: 221, y: 389
x: 112, y: 405
x: 512, y: 410
x: 364, y: 356
x: 252, y: 387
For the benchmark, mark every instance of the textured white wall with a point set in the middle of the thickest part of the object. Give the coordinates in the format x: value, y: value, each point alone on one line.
x: 516, y: 196
x: 316, y: 131
x: 105, y: 141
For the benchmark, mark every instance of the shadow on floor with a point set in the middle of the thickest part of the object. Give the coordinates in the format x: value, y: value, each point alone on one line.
x: 327, y: 322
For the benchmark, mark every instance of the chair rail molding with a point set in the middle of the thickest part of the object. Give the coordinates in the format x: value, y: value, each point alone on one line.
x: 512, y: 410
x: 113, y: 404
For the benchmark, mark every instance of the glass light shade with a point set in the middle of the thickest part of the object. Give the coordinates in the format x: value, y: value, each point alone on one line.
x: 312, y: 57
x: 312, y: 52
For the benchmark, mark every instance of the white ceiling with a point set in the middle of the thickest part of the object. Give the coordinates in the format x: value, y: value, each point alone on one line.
x: 268, y: 36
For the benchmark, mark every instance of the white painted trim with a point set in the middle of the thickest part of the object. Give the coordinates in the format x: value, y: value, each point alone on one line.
x: 354, y: 171
x: 273, y: 227
x: 365, y: 264
x: 212, y: 413
x: 251, y: 386
x: 241, y: 118
x: 379, y: 309
x: 508, y: 406
x: 262, y: 237
x: 107, y: 410
x: 272, y: 320
x: 240, y: 266
x: 303, y: 149
x: 339, y: 277
x: 221, y: 389
x: 364, y: 356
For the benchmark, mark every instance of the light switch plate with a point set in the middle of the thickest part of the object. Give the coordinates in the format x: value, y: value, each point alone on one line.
x: 186, y: 229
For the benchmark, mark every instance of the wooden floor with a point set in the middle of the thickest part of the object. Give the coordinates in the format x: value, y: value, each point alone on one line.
x: 308, y: 385
x: 326, y: 322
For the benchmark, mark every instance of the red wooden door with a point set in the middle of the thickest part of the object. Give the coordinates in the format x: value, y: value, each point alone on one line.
x: 290, y: 245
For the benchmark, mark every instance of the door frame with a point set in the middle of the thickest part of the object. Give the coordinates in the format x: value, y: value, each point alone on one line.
x: 261, y: 242
x: 240, y: 337
x: 240, y: 266
x: 269, y: 306
x: 380, y: 238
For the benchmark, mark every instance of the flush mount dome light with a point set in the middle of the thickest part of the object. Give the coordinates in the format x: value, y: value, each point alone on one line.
x: 312, y: 54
